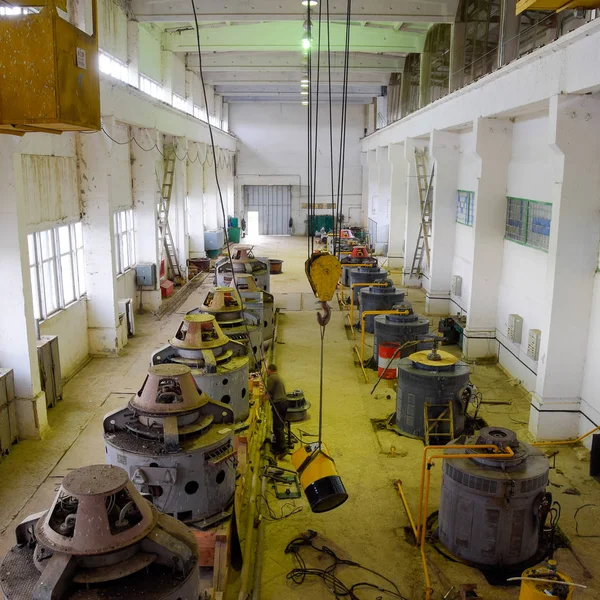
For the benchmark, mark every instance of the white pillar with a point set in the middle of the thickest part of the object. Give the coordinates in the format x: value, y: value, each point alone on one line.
x: 572, y: 261
x: 177, y: 209
x: 398, y: 191
x: 372, y: 193
x: 493, y: 147
x: 133, y: 52
x: 413, y: 211
x: 384, y: 175
x: 445, y: 148
x: 17, y: 332
x: 196, y: 203
x: 213, y: 216
x: 144, y: 169
x: 364, y: 161
x: 96, y: 193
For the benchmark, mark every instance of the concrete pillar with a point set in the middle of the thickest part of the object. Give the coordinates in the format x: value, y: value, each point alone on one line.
x: 373, y: 190
x: 424, y: 79
x: 444, y: 151
x: 413, y: 211
x: 178, y: 208
x: 166, y: 71
x: 398, y: 191
x: 213, y: 216
x: 144, y: 168
x: 17, y: 331
x: 133, y: 52
x: 508, y: 44
x: 572, y: 262
x: 364, y: 161
x: 458, y: 39
x: 189, y: 90
x: 384, y: 175
x: 96, y: 193
x: 493, y: 147
x: 195, y: 192
x: 404, y: 93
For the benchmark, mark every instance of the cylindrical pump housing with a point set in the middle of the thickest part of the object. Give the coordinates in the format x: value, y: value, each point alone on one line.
x: 258, y: 303
x: 359, y: 257
x: 400, y: 328
x: 366, y: 275
x: 236, y: 322
x: 378, y: 298
x: 490, y: 508
x: 426, y: 384
x: 220, y: 366
x: 243, y: 261
x: 176, y: 445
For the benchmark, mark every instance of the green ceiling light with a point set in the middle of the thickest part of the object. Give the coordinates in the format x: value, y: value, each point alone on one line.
x: 304, y: 85
x: 304, y: 93
x: 306, y: 42
x: 304, y: 80
x: 309, y: 2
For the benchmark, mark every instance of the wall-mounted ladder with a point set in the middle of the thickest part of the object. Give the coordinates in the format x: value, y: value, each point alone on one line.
x: 166, y: 190
x: 425, y: 186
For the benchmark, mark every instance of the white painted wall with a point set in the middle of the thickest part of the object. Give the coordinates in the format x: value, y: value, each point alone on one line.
x: 112, y: 29
x: 522, y: 288
x: 462, y: 263
x: 149, y: 51
x: 273, y: 144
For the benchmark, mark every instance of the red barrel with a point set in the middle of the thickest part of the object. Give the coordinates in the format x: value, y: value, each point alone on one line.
x: 386, y: 351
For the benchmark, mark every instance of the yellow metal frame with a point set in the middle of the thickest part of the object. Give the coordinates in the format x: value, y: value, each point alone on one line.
x: 557, y: 5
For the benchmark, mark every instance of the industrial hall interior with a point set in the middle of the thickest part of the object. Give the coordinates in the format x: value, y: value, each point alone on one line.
x: 300, y: 299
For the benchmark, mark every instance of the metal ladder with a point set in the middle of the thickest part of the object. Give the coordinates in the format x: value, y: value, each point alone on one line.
x: 425, y: 186
x: 166, y: 189
x: 432, y: 422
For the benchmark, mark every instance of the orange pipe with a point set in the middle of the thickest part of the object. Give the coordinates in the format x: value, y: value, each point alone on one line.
x: 428, y: 588
x: 355, y: 285
x: 567, y: 442
x: 424, y: 464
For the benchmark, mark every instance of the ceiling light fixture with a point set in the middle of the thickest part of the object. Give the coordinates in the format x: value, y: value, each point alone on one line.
x: 304, y: 93
x: 304, y: 85
x: 309, y: 2
x: 304, y: 79
x: 304, y: 102
x: 306, y: 43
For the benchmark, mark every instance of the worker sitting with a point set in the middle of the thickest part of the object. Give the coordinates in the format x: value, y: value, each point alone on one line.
x: 276, y: 391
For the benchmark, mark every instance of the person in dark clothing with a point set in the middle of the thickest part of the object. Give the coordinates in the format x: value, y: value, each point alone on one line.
x: 276, y: 391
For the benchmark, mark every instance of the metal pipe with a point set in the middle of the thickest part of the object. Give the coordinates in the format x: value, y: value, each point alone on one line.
x: 360, y: 362
x: 260, y: 546
x: 352, y: 286
x: 249, y: 538
x: 567, y: 442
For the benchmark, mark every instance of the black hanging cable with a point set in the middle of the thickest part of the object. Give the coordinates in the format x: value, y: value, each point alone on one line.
x: 344, y: 122
x: 316, y: 146
x: 309, y: 225
x: 330, y: 122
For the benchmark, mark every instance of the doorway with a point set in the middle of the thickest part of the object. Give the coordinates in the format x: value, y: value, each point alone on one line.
x: 273, y: 206
x: 253, y: 226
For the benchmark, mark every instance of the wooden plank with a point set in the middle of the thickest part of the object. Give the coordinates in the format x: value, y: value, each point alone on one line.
x: 206, y: 546
x: 220, y: 569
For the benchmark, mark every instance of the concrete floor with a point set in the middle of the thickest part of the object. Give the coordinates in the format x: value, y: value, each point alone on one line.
x: 370, y: 526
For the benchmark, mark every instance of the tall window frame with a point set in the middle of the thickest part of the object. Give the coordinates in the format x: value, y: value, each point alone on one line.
x: 465, y: 207
x: 528, y: 222
x: 57, y: 268
x: 124, y: 240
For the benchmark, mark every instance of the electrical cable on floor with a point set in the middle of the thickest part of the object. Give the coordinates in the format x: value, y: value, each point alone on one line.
x: 577, y: 522
x: 335, y: 585
x: 271, y: 515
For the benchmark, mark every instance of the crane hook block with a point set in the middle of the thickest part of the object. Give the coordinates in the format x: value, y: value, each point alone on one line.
x: 323, y: 271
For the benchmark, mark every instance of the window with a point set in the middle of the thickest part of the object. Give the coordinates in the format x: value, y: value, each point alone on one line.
x: 152, y: 88
x: 124, y: 240
x: 215, y: 121
x: 180, y: 103
x: 57, y: 268
x: 465, y: 207
x: 528, y: 222
x: 199, y: 112
x: 12, y: 12
x: 113, y: 67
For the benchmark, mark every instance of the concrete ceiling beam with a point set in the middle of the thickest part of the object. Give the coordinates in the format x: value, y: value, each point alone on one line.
x: 287, y: 37
x: 430, y: 11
